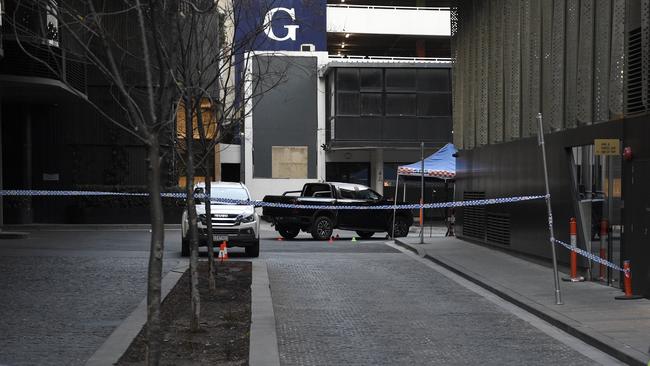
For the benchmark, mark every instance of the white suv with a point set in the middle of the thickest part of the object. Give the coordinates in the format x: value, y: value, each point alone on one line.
x: 238, y: 225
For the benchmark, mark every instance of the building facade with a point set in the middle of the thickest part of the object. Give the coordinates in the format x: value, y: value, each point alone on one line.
x: 356, y: 106
x: 581, y: 65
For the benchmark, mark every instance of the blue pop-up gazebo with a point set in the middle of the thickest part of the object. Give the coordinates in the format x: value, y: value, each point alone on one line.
x: 441, y: 165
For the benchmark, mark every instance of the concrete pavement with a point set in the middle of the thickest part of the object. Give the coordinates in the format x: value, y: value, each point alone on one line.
x: 367, y: 303
x: 621, y: 328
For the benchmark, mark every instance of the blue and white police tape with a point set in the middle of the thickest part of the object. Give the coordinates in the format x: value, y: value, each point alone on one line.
x: 591, y: 256
x: 316, y: 205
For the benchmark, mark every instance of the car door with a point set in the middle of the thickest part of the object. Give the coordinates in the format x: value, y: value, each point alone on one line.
x: 349, y: 219
x: 372, y: 219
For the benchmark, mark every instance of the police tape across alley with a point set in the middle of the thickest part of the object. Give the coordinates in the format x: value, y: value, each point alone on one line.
x: 452, y: 204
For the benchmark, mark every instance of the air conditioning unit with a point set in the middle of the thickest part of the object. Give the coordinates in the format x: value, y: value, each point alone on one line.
x: 307, y: 47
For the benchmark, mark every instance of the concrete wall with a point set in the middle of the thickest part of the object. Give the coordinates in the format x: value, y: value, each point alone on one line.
x: 292, y: 113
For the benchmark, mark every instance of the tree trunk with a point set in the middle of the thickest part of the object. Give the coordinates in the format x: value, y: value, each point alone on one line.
x: 195, y: 299
x: 154, y: 275
x: 208, y: 214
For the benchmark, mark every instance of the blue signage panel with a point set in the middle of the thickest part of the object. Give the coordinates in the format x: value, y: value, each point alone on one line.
x: 280, y: 25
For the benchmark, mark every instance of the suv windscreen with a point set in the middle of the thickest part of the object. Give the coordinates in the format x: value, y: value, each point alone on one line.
x: 228, y: 193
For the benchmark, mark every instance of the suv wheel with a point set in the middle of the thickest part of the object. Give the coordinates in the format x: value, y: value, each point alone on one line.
x: 253, y: 250
x: 401, y: 227
x: 288, y: 232
x: 322, y: 228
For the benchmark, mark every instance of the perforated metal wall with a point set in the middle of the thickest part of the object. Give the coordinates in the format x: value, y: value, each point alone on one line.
x: 603, y: 33
x: 564, y: 58
x: 556, y: 89
x: 617, y: 64
x: 585, y: 63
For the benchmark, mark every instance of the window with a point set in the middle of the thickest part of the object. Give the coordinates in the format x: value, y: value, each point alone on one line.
x: 358, y: 173
x: 434, y: 104
x: 371, y: 104
x: 35, y: 19
x: 400, y: 79
x: 400, y: 104
x: 359, y: 194
x: 317, y: 190
x: 431, y: 80
x: 347, y: 104
x: 371, y: 80
x: 347, y: 79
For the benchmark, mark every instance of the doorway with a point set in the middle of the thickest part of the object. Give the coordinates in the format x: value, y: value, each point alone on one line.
x: 597, y: 180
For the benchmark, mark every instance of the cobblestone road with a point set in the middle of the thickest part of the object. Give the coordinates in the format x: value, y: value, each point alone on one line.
x: 62, y: 293
x: 377, y: 306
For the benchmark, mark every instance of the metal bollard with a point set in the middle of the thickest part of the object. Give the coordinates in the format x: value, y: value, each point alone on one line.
x: 573, y: 234
x: 627, y: 283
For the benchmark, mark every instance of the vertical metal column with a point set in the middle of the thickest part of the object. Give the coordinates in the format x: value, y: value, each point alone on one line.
x: 602, y: 51
x: 546, y: 97
x: 558, y: 295
x: 557, y: 64
x: 617, y: 62
x: 585, y: 88
x: 482, y: 74
x: 512, y: 70
x: 571, y: 74
x: 1, y: 171
x: 422, y: 192
x: 27, y: 164
x: 495, y: 95
x: 526, y: 66
x: 645, y: 50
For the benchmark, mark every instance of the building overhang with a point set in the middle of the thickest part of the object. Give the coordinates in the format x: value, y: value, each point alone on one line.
x: 338, y: 145
x: 37, y: 90
x: 383, y: 62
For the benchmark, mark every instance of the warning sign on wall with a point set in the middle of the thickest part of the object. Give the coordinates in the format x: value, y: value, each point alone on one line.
x: 607, y: 146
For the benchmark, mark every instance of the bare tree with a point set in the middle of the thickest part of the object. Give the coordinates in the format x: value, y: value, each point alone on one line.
x: 214, y: 97
x: 129, y: 46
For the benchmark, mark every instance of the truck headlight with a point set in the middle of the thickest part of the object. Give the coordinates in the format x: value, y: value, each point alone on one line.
x: 246, y: 219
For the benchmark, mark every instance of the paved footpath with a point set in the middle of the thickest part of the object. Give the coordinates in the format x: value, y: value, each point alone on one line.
x: 63, y: 292
x: 370, y: 304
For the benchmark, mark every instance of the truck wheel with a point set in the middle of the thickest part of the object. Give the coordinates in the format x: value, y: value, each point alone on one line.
x: 322, y: 228
x: 401, y: 227
x: 185, y: 248
x: 254, y: 250
x: 365, y: 234
x: 288, y: 232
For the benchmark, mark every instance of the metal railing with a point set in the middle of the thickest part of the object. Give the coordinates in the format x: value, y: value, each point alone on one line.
x: 384, y: 7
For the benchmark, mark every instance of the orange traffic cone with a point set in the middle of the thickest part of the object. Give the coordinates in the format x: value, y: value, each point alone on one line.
x: 331, y: 239
x: 223, y: 252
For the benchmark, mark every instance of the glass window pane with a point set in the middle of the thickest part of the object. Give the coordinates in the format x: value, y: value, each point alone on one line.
x: 400, y: 104
x: 371, y: 104
x: 400, y: 79
x: 433, y: 80
x: 358, y: 173
x: 347, y: 79
x: 347, y: 104
x: 434, y: 104
x: 371, y: 79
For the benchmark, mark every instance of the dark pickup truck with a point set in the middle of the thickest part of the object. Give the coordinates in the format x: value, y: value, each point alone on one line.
x: 322, y: 221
